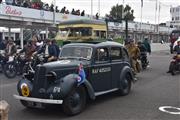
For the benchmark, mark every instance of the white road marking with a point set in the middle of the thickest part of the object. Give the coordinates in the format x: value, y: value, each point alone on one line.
x: 163, y: 109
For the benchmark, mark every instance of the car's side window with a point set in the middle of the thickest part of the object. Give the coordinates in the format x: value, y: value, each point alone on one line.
x: 125, y: 54
x: 116, y: 53
x: 101, y: 55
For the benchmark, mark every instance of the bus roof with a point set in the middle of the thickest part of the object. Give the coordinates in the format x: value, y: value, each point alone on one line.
x: 83, y: 21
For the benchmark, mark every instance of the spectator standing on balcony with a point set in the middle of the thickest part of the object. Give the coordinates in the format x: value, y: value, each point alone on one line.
x: 97, y: 16
x: 67, y: 12
x: 9, y: 2
x: 46, y: 7
x: 63, y: 10
x: 52, y: 8
x: 57, y: 9
x: 26, y: 4
x: 78, y: 12
x: 18, y: 2
x: 73, y: 12
x: 83, y: 13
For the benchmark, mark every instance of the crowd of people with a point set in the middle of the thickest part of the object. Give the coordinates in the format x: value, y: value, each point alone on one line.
x: 43, y: 6
x: 48, y: 48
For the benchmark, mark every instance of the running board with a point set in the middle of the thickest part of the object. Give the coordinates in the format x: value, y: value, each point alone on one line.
x: 104, y: 92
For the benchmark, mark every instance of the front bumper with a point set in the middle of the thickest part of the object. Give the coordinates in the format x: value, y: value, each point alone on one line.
x: 38, y: 100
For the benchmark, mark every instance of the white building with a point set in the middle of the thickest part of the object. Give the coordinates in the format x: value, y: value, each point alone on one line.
x: 175, y: 16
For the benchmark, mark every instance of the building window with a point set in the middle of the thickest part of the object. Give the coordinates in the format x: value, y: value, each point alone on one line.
x: 177, y: 9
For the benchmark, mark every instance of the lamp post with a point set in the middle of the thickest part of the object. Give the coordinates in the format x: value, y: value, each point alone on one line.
x: 99, y: 5
x: 54, y: 13
x: 91, y: 9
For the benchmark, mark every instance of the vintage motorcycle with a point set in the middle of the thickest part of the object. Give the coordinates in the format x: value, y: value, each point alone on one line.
x: 13, y: 66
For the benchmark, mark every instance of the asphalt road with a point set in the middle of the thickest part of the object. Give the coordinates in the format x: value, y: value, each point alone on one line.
x: 153, y: 89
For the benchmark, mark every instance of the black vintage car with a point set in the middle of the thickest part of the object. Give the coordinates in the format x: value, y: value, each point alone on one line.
x: 84, y: 71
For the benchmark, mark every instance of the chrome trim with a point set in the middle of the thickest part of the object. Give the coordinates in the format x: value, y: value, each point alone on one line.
x: 104, y: 92
x: 50, y: 101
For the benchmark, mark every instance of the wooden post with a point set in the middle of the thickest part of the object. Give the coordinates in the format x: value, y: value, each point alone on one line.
x: 4, y: 109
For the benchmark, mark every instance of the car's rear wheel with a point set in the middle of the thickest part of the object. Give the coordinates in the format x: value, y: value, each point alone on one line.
x: 126, y: 85
x: 75, y: 102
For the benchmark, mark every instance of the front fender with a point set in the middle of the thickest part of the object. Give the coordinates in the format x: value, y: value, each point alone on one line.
x: 61, y: 88
x: 126, y: 70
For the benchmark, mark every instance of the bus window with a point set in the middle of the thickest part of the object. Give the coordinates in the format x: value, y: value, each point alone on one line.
x: 103, y: 34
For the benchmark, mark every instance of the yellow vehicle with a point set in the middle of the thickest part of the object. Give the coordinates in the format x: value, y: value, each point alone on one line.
x: 82, y: 30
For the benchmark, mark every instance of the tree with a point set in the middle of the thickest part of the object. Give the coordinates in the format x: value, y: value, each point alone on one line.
x: 116, y: 12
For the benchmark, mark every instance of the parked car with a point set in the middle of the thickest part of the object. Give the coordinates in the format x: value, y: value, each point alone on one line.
x: 85, y: 70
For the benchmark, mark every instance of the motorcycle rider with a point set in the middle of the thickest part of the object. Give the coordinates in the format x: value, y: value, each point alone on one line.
x: 147, y: 45
x: 28, y: 49
x: 134, y: 54
x: 143, y: 51
x: 49, y: 51
x: 177, y: 47
x: 177, y: 51
x: 10, y: 48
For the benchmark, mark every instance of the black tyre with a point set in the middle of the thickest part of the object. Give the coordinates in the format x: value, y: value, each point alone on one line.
x: 126, y: 85
x: 75, y: 102
x: 10, y: 70
x: 172, y: 68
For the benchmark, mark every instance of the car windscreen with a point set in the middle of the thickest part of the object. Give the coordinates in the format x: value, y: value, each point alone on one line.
x: 76, y: 52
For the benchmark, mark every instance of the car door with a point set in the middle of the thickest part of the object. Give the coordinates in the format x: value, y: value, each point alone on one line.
x: 101, y: 70
x: 117, y: 64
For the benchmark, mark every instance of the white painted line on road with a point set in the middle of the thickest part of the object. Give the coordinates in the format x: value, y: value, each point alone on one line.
x: 8, y: 85
x: 163, y: 109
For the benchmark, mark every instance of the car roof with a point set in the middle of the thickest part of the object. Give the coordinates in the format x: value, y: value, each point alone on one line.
x: 95, y: 44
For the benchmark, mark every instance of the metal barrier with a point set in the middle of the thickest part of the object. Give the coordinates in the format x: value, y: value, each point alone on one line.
x: 4, y: 109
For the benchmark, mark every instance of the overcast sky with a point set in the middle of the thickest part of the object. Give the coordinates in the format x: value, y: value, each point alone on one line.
x: 148, y: 14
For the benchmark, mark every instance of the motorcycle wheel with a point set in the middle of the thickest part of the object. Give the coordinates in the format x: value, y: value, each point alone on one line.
x: 10, y: 70
x: 172, y: 68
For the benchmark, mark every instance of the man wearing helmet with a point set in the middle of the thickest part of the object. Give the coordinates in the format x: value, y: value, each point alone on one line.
x: 177, y: 47
x: 134, y: 54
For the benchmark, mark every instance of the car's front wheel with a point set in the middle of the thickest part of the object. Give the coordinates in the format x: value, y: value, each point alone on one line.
x: 75, y: 102
x: 126, y: 85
